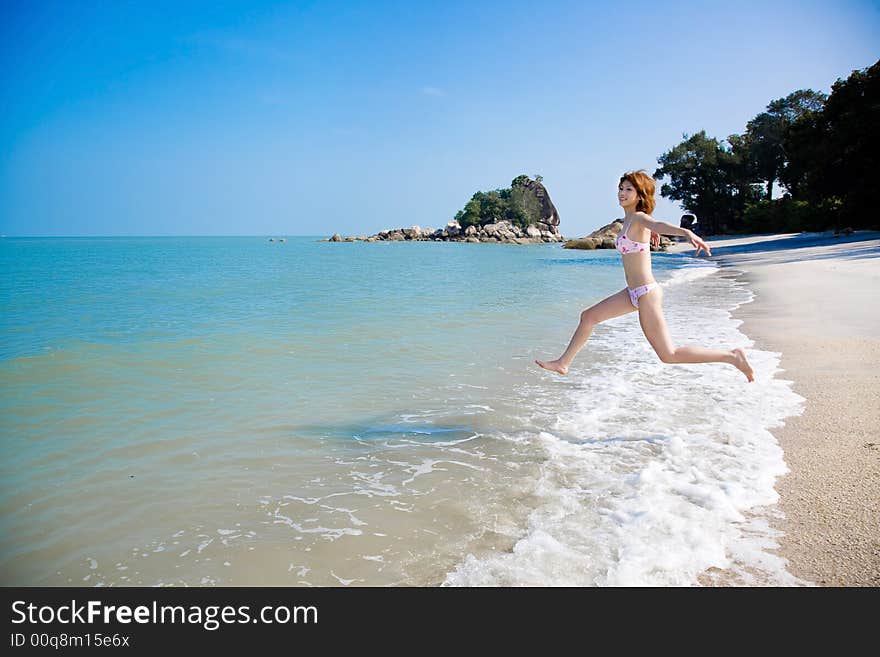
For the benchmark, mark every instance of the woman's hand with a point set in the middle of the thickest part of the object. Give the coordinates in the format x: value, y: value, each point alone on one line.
x: 697, y: 243
x: 655, y: 239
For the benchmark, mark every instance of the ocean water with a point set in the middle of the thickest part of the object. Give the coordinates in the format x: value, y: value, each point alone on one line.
x: 234, y: 411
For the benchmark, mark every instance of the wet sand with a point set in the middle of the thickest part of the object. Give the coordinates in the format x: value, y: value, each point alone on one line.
x: 816, y: 302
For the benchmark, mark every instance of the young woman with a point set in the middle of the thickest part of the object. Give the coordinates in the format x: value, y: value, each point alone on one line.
x: 635, y: 192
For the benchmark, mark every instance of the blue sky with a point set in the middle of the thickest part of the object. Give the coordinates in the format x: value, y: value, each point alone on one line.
x: 308, y: 118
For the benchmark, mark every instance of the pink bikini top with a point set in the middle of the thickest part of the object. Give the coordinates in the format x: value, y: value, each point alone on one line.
x: 626, y: 245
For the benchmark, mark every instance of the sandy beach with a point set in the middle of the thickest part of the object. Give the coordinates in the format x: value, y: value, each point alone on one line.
x: 816, y: 303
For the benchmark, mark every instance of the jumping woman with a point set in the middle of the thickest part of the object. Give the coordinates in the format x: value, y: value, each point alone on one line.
x: 635, y: 192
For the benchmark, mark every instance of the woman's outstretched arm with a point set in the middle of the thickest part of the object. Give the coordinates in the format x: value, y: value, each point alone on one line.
x: 661, y: 227
x: 664, y: 228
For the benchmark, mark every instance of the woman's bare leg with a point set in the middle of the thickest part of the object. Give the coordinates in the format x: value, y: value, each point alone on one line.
x: 655, y: 329
x: 610, y: 307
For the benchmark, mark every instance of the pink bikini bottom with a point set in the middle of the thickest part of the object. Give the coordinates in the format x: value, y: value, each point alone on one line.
x: 639, y: 291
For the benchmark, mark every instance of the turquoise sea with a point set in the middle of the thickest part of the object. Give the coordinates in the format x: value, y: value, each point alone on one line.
x: 235, y: 411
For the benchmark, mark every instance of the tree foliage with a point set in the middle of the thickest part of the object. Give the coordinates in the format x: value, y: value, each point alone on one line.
x: 822, y: 149
x: 767, y: 133
x: 517, y: 204
x: 837, y: 149
x: 710, y: 179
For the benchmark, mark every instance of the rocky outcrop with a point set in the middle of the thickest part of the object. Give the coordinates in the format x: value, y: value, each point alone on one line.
x: 605, y: 237
x: 545, y: 229
x: 549, y: 215
x: 500, y: 231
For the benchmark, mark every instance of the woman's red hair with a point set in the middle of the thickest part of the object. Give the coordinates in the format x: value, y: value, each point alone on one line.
x: 644, y: 185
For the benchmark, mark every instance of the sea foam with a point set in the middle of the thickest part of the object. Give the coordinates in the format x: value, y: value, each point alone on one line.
x: 654, y: 473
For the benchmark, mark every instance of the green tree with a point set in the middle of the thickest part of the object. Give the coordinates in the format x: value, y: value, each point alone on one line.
x: 743, y: 177
x: 835, y: 151
x: 705, y: 175
x: 524, y: 207
x: 765, y: 136
x: 518, y: 204
x: 823, y: 149
x: 492, y: 207
x: 470, y: 216
x: 806, y: 147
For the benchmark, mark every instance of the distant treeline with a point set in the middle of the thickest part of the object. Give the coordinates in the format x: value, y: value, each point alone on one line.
x: 821, y: 150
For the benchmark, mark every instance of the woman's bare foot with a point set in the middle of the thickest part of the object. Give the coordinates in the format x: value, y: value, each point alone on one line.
x: 553, y: 366
x: 741, y: 363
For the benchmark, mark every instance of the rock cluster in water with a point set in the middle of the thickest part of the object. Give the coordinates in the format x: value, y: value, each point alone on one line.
x: 487, y: 226
x: 501, y: 231
x: 605, y: 237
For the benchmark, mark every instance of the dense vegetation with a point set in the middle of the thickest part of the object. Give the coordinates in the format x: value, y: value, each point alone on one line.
x: 517, y: 203
x: 819, y: 150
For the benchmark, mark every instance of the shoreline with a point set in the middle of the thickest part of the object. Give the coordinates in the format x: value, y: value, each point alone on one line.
x: 814, y: 304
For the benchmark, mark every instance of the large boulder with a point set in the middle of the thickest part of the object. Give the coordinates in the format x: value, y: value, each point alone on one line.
x: 549, y: 215
x: 453, y: 228
x: 587, y: 243
x: 500, y: 230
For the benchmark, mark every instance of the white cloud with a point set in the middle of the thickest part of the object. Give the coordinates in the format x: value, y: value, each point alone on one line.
x: 432, y: 91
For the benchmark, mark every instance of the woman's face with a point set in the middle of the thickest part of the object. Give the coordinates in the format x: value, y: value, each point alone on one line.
x: 626, y: 194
